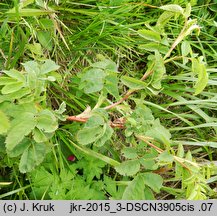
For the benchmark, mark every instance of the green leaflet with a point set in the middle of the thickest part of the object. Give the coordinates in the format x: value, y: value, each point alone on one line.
x: 15, y: 75
x: 107, y: 133
x: 187, y: 11
x: 150, y: 35
x: 128, y: 168
x: 7, y: 80
x: 152, y: 47
x: 130, y: 153
x: 15, y: 95
x: 48, y: 66
x: 133, y: 83
x: 13, y: 83
x: 173, y: 8
x: 4, y: 125
x: 93, y: 80
x: 45, y: 39
x: 164, y: 18
x: 106, y: 64
x: 19, y: 111
x: 33, y: 73
x: 35, y: 48
x: 111, y: 84
x: 165, y: 157
x: 135, y: 189
x: 46, y: 121
x: 159, y: 70
x: 39, y: 136
x: 96, y: 130
x: 159, y: 133
x: 20, y: 148
x: 199, y: 68
x: 31, y: 67
x: 148, y: 161
x: 32, y: 157
x: 88, y: 135
x: 97, y: 119
x: 153, y: 180
x: 11, y: 88
x: 59, y: 112
x: 62, y: 108
x: 185, y: 48
x: 20, y: 127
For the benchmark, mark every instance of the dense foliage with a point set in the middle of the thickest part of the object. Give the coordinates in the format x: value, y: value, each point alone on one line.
x: 108, y: 99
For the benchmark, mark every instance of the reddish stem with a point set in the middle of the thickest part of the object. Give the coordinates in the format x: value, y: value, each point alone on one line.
x: 126, y: 96
x: 115, y: 124
x: 77, y: 119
